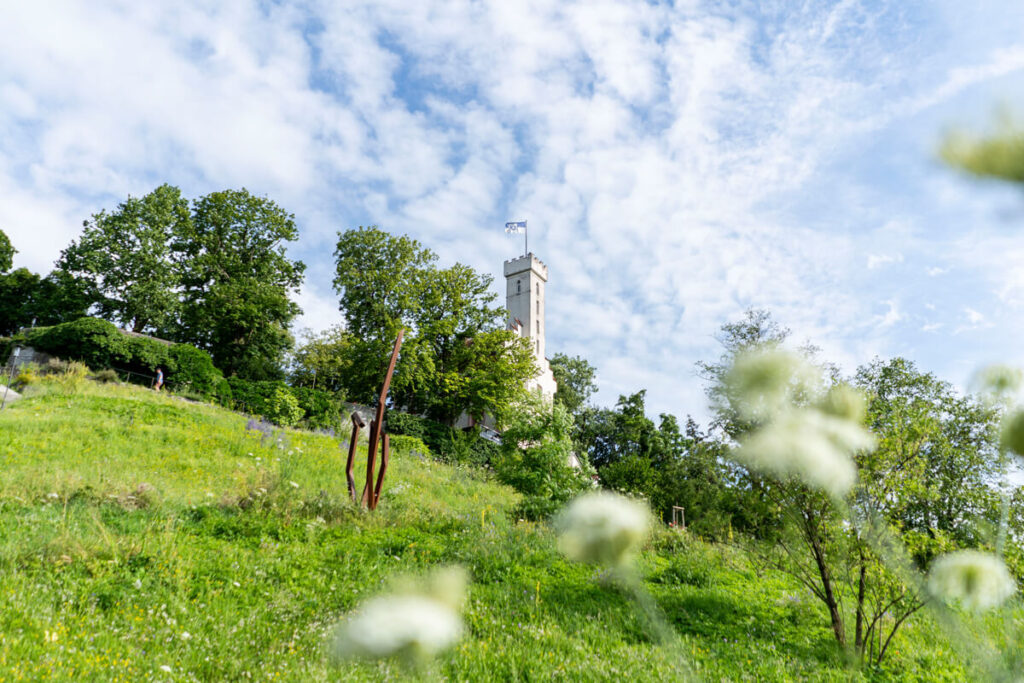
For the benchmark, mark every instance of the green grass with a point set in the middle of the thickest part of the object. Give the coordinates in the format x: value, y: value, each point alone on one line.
x: 140, y: 531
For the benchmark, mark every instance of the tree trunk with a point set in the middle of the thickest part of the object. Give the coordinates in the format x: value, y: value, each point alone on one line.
x: 826, y: 583
x: 861, y: 582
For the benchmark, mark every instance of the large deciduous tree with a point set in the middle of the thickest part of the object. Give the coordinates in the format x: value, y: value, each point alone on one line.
x: 456, y: 355
x: 126, y: 257
x: 236, y: 279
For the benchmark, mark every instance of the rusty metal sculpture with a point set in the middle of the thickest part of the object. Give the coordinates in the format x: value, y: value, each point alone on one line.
x: 371, y: 493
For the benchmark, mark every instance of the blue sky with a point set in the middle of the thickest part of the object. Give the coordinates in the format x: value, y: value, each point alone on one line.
x: 677, y: 163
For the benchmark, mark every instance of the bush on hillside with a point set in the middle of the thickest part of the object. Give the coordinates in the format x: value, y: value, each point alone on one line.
x: 106, y: 376
x: 409, y: 445
x: 322, y: 409
x: 534, y: 458
x: 193, y: 369
x: 285, y: 405
x: 97, y: 343
x: 447, y: 444
x: 100, y: 345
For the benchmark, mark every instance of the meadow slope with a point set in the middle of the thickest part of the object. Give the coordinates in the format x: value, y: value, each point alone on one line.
x: 143, y: 537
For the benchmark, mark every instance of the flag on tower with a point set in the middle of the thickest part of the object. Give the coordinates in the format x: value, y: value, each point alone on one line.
x: 515, y: 226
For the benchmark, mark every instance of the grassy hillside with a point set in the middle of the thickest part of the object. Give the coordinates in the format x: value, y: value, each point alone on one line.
x: 145, y: 537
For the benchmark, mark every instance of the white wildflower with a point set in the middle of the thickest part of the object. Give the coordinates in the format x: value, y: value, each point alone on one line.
x: 294, y: 484
x: 602, y: 528
x: 137, y: 584
x: 997, y: 381
x: 408, y: 626
x: 843, y: 401
x: 766, y: 381
x: 811, y: 445
x: 978, y: 580
x: 165, y: 668
x: 1011, y: 436
x: 185, y: 635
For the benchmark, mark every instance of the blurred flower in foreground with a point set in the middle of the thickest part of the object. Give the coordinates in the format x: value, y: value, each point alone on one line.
x: 809, y: 444
x: 997, y: 381
x: 1011, y: 436
x: 802, y: 430
x: 765, y: 381
x: 418, y: 621
x: 978, y: 580
x: 602, y: 528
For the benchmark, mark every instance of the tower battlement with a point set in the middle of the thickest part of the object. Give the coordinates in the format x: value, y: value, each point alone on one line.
x: 522, y: 264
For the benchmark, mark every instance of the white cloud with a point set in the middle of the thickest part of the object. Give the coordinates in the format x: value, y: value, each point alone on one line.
x: 661, y: 154
x: 876, y: 261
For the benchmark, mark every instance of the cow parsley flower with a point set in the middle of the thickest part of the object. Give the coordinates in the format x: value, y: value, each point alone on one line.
x: 763, y: 382
x: 411, y: 627
x: 417, y: 620
x: 602, y: 528
x: 1011, y: 435
x: 843, y: 401
x: 809, y: 444
x: 997, y: 382
x: 979, y: 581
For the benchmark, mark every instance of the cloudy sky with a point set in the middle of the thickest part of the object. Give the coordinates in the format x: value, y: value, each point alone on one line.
x: 677, y: 163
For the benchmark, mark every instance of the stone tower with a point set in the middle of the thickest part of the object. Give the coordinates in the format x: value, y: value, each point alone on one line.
x: 525, y: 280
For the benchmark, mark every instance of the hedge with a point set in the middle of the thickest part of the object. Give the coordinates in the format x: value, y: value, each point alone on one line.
x: 99, y: 344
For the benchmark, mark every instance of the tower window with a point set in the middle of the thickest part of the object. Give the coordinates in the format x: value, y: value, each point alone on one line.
x: 538, y: 345
x: 538, y: 289
x: 519, y: 286
x: 538, y: 306
x: 538, y: 327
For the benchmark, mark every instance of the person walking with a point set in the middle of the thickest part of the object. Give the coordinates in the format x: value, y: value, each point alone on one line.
x: 159, y: 379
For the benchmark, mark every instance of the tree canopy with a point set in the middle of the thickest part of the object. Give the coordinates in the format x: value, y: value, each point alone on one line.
x: 456, y: 354
x: 125, y: 256
x: 236, y: 278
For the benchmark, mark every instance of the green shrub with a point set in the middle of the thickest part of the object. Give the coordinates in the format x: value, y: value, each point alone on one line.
x: 66, y: 376
x: 447, y: 444
x: 106, y: 376
x: 251, y: 397
x: 534, y: 457
x: 409, y: 444
x: 321, y: 409
x: 283, y: 408
x: 27, y: 374
x: 192, y: 368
